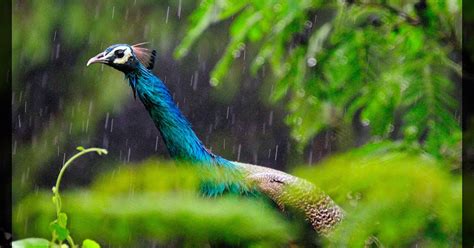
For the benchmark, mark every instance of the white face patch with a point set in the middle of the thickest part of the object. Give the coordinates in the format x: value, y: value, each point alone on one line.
x: 127, y: 52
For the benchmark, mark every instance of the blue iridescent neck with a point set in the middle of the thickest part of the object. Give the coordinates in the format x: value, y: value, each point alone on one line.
x: 180, y: 139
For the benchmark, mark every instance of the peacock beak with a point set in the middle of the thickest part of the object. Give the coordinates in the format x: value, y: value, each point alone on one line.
x: 99, y: 58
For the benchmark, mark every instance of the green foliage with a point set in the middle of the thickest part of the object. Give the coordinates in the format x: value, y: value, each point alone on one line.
x: 31, y: 243
x: 58, y: 227
x: 393, y: 199
x: 134, y: 218
x: 88, y: 243
x: 367, y: 61
x: 157, y: 202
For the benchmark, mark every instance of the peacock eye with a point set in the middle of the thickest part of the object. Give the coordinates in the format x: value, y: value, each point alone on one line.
x: 119, y: 53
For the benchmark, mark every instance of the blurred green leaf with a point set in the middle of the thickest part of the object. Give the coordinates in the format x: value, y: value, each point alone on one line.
x: 88, y: 243
x: 203, y: 17
x: 59, y: 231
x: 62, y: 220
x: 399, y: 198
x: 131, y: 219
x: 31, y: 243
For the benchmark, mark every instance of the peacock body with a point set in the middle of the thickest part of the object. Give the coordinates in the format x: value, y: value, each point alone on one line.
x: 183, y: 144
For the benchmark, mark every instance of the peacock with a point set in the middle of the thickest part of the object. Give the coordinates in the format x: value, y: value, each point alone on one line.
x: 287, y: 191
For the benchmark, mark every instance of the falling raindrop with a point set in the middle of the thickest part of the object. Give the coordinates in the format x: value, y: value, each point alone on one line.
x: 106, y: 120
x: 227, y: 115
x: 179, y: 9
x: 311, y: 62
x: 167, y: 14
x: 310, y: 160
x: 156, y: 143
x: 87, y: 125
x: 64, y: 158
x: 216, y: 121
x: 238, y: 152
x: 90, y: 109
x: 113, y: 12
x: 195, y: 82
x: 270, y: 118
x: 58, y: 48
x: 276, y: 152
x: 128, y: 156
x: 112, y: 125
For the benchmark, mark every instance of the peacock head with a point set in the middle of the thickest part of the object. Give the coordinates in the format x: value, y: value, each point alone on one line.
x: 125, y: 58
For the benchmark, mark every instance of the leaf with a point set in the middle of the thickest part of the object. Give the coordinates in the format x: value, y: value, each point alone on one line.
x: 230, y: 8
x: 317, y: 40
x: 89, y: 243
x: 204, y: 16
x: 62, y: 220
x: 235, y: 45
x: 31, y: 243
x: 80, y: 148
x: 61, y: 232
x: 102, y: 151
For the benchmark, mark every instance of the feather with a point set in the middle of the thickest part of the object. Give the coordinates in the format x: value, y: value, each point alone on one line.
x: 144, y: 55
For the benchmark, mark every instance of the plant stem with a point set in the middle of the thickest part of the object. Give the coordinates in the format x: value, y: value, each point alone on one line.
x: 71, y: 242
x: 63, y: 169
x: 56, y: 195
